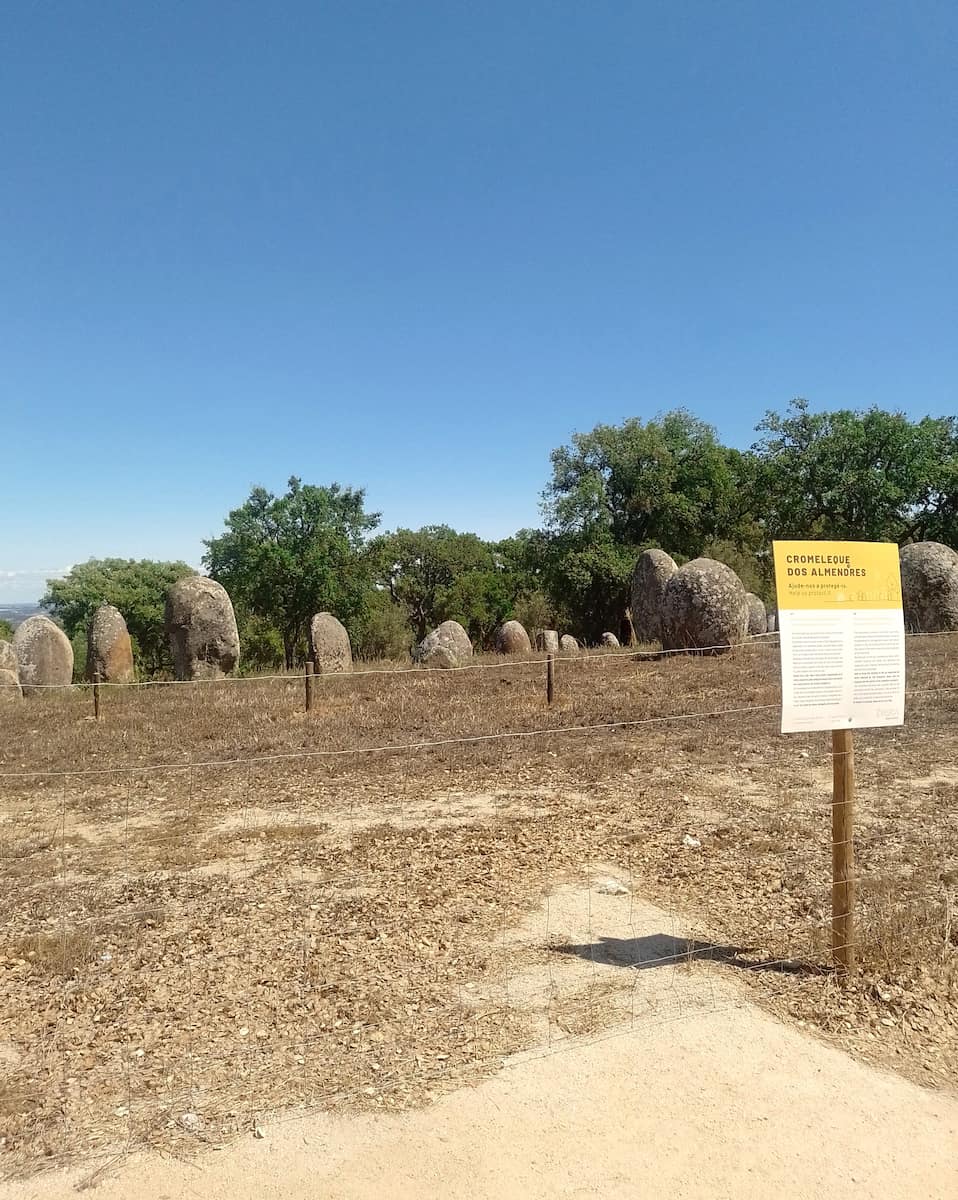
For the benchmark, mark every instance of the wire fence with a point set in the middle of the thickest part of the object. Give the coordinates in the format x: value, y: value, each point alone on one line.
x: 453, y: 880
x: 491, y: 662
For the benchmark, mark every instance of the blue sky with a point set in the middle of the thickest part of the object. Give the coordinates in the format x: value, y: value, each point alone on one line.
x: 412, y: 247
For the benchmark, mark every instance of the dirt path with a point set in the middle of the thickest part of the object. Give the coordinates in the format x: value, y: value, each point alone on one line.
x: 697, y: 1094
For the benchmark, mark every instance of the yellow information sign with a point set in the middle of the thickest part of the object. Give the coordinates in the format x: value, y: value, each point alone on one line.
x: 842, y: 634
x: 830, y: 575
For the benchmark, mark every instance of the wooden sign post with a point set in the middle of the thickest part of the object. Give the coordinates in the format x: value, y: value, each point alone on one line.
x: 843, y: 851
x: 842, y: 639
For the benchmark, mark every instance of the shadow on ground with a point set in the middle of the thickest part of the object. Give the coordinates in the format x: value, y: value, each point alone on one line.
x: 665, y: 950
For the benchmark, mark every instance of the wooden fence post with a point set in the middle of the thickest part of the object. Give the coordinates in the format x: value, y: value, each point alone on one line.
x: 550, y: 678
x: 309, y: 685
x: 843, y: 851
x: 96, y: 695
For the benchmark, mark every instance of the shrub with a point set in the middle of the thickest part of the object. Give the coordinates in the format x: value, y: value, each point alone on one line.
x: 385, y: 631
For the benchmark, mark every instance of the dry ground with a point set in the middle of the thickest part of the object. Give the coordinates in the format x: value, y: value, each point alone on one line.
x: 220, y: 934
x: 676, y: 1099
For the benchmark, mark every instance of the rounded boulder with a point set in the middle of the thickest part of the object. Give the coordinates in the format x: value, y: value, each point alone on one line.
x: 649, y: 580
x: 511, y: 638
x: 201, y: 626
x: 9, y: 673
x: 568, y: 644
x: 329, y: 644
x: 611, y: 641
x: 929, y: 587
x: 704, y: 608
x: 757, y: 616
x: 44, y: 655
x: 445, y: 647
x: 109, y: 650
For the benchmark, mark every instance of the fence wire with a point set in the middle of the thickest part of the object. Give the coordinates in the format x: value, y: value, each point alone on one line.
x: 497, y: 662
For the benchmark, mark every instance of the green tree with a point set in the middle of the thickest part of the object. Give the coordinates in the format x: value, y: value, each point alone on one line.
x: 667, y: 482
x: 534, y: 611
x: 588, y: 578
x: 137, y: 588
x: 262, y: 646
x: 79, y: 643
x: 385, y: 631
x: 6, y: 630
x: 935, y: 514
x: 872, y: 475
x: 574, y: 580
x: 525, y: 557
x: 619, y: 489
x: 284, y: 558
x: 435, y: 574
x: 480, y: 601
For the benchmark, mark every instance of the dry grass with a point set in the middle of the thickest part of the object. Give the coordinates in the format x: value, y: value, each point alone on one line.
x: 218, y: 937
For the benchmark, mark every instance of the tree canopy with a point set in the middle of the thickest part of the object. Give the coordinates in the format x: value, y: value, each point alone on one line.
x: 668, y: 481
x: 870, y: 476
x: 137, y: 588
x: 614, y: 491
x: 435, y: 574
x: 287, y: 557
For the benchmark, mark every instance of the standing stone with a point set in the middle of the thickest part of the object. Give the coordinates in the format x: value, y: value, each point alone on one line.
x: 649, y: 579
x: 44, y: 655
x: 568, y: 644
x: 929, y: 586
x: 109, y: 650
x: 704, y: 607
x: 610, y: 640
x: 511, y: 638
x: 9, y: 673
x: 771, y: 622
x: 329, y: 643
x: 201, y: 626
x: 548, y: 640
x: 757, y: 617
x: 447, y: 646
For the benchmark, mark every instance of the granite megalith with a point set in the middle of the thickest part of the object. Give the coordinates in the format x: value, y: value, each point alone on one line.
x: 329, y: 644
x: 201, y: 626
x: 9, y: 673
x: 757, y: 616
x: 511, y: 638
x: 704, y: 608
x: 109, y: 648
x: 652, y: 573
x: 44, y: 655
x: 447, y: 646
x: 929, y: 586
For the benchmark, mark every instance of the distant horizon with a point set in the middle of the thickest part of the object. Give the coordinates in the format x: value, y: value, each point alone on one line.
x: 14, y: 591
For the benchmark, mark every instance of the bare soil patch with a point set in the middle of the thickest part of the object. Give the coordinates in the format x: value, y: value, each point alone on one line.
x: 259, y: 918
x: 648, y: 1074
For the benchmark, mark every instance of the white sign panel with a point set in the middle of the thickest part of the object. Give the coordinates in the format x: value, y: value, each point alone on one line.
x: 842, y: 635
